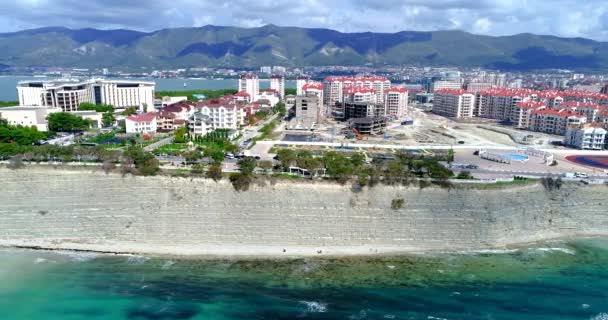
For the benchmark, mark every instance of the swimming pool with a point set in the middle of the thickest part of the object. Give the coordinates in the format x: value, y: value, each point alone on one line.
x: 516, y: 157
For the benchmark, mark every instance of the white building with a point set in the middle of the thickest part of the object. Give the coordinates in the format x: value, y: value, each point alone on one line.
x: 124, y: 94
x: 555, y: 121
x: 68, y: 94
x: 27, y: 116
x: 249, y: 83
x: 141, y: 123
x: 223, y: 113
x: 586, y: 137
x: 199, y: 124
x: 277, y: 83
x: 443, y: 84
x: 360, y: 94
x: 456, y: 103
x: 270, y: 95
x: 395, y: 101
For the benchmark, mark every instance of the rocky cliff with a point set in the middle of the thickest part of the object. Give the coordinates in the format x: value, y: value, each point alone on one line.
x: 54, y: 208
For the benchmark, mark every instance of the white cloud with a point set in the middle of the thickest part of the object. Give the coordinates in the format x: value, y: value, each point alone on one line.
x: 572, y: 18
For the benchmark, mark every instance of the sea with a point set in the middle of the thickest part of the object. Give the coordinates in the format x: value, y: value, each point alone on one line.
x: 555, y: 280
x: 8, y: 85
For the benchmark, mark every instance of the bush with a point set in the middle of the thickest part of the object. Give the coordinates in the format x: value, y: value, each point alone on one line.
x: 240, y: 181
x: 214, y: 172
x: 397, y: 204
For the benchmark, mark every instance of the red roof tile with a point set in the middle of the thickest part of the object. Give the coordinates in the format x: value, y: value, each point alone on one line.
x: 145, y: 117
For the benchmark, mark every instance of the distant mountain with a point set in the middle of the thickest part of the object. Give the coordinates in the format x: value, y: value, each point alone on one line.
x: 290, y: 46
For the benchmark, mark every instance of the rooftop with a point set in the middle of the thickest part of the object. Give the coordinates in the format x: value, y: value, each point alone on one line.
x: 145, y: 117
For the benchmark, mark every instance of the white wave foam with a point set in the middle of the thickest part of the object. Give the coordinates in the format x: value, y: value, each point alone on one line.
x: 79, y: 256
x: 585, y: 306
x: 40, y: 260
x: 491, y: 251
x: 391, y: 267
x: 167, y: 265
x: 435, y: 318
x: 601, y: 316
x: 314, y: 306
x: 137, y: 259
x: 557, y: 249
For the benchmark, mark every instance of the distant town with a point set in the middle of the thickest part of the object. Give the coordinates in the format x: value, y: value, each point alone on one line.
x: 344, y: 123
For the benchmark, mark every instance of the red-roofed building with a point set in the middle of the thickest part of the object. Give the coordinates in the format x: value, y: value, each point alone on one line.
x: 334, y: 87
x: 395, y: 101
x: 141, y: 123
x: 521, y: 115
x: 590, y: 109
x: 455, y: 103
x: 554, y: 121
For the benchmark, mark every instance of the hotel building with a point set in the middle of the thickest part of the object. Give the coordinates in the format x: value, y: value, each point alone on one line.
x: 455, y: 103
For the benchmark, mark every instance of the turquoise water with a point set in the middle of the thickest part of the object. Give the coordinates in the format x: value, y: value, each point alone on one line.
x: 556, y: 281
x: 8, y: 84
x: 517, y: 157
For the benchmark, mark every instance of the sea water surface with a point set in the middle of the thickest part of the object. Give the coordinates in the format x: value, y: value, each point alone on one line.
x: 8, y: 85
x: 554, y: 281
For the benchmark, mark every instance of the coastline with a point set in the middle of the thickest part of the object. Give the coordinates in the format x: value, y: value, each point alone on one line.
x: 248, y: 252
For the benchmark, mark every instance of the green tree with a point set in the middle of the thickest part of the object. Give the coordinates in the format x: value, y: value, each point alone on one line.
x: 180, y: 135
x: 66, y: 122
x: 240, y: 181
x: 247, y: 165
x: 215, y: 171
x: 192, y: 156
x: 87, y: 106
x: 338, y: 166
x: 145, y: 162
x: 265, y: 165
x: 287, y: 157
x: 280, y: 109
x: 198, y: 168
x: 357, y: 159
x: 107, y: 119
x: 129, y: 111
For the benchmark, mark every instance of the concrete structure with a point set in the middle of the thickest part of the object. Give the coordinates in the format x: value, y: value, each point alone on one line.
x: 455, y: 103
x: 141, y: 123
x: 351, y: 110
x: 368, y: 126
x: 27, y: 116
x: 69, y: 94
x: 396, y: 101
x: 442, y: 84
x: 277, y: 83
x: 166, y: 101
x: 585, y: 137
x: 272, y: 96
x: 58, y: 209
x: 250, y: 84
x: 553, y: 121
x: 316, y: 89
x: 360, y: 95
x: 308, y: 112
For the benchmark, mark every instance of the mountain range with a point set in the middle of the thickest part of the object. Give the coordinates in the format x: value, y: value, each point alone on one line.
x: 290, y: 46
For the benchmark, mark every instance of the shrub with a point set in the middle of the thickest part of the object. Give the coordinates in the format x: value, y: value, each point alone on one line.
x: 397, y: 204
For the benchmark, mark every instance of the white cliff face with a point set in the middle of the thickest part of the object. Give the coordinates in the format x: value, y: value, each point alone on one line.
x: 94, y: 211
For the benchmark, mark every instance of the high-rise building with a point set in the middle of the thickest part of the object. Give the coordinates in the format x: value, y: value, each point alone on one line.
x: 250, y: 84
x: 316, y: 89
x: 300, y: 82
x: 553, y: 121
x: 455, y: 103
x: 277, y: 83
x: 266, y: 69
x: 334, y: 87
x: 395, y: 101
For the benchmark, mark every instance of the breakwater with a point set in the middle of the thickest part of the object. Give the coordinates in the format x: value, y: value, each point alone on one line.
x: 91, y: 210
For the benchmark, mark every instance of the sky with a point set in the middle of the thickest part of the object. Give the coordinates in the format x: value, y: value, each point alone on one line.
x: 569, y: 18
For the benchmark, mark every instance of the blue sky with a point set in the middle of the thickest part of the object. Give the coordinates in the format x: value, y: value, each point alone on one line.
x: 571, y: 18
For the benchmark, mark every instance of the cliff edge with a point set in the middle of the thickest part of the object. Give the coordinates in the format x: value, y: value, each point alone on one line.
x: 83, y: 210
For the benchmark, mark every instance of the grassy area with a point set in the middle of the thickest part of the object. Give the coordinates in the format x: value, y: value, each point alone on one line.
x: 172, y: 148
x: 210, y: 94
x: 4, y: 104
x: 503, y: 184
